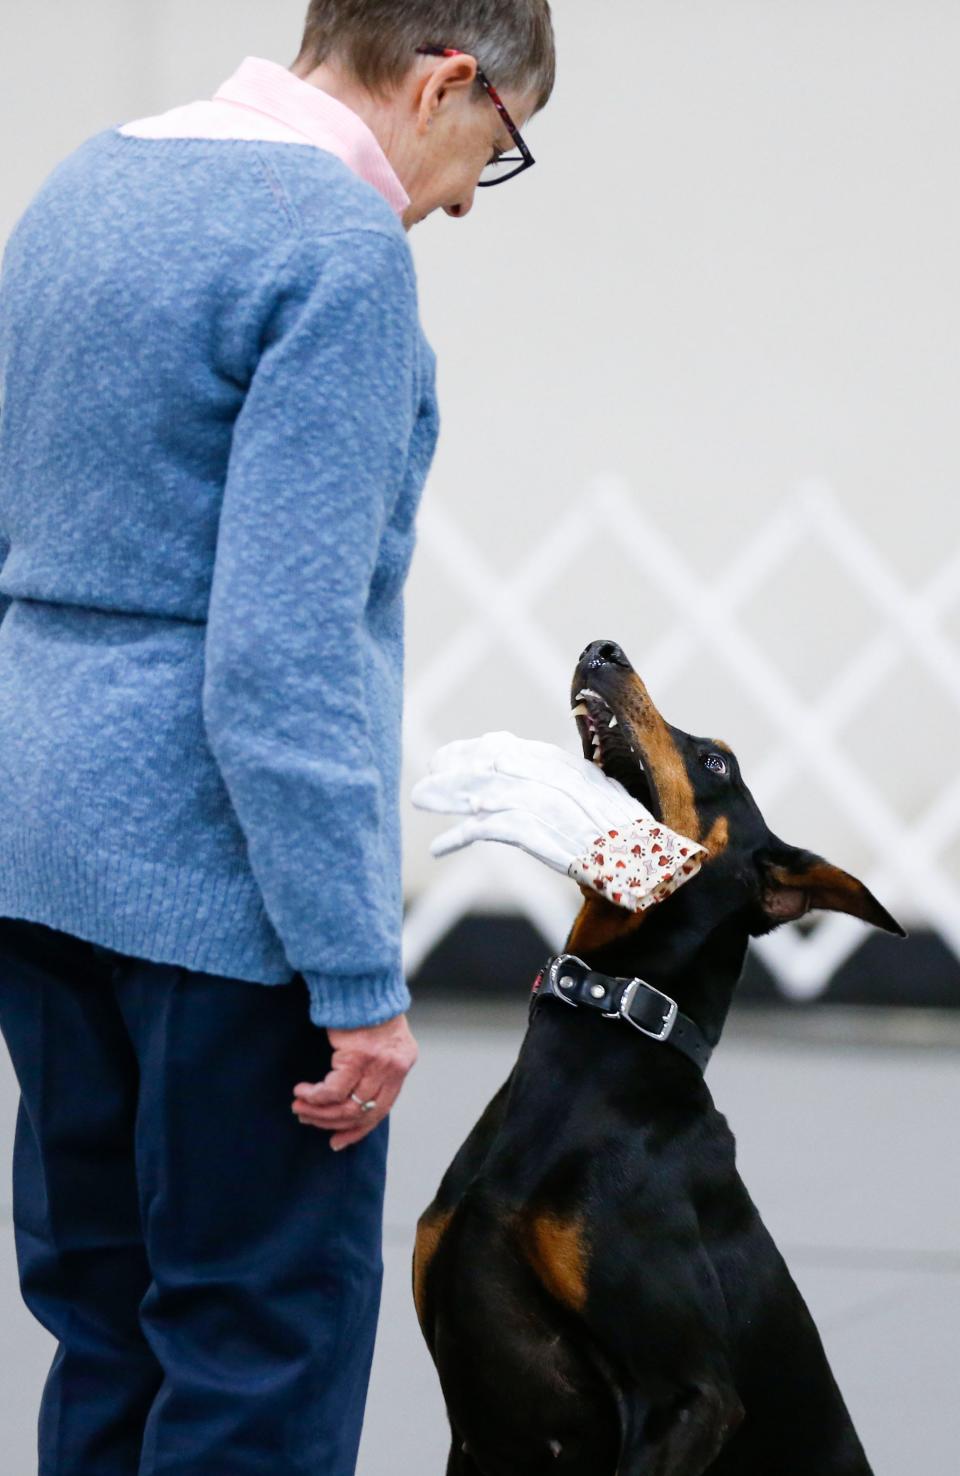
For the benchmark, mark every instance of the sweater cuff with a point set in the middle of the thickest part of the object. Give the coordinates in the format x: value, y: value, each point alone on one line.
x: 351, y: 1001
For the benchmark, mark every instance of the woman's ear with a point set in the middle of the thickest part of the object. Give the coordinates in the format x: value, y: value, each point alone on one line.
x: 450, y: 73
x: 794, y: 882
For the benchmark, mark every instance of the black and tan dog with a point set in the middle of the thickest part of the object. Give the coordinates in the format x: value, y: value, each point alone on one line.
x: 594, y: 1283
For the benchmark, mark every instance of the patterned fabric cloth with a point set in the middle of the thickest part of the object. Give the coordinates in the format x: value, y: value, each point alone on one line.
x: 640, y: 865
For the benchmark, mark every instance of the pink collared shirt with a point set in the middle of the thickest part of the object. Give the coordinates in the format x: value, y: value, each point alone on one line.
x: 263, y: 100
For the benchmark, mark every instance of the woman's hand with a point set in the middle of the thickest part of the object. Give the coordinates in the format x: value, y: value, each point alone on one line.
x: 370, y: 1063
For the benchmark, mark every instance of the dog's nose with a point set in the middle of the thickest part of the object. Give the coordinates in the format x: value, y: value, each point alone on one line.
x: 603, y: 653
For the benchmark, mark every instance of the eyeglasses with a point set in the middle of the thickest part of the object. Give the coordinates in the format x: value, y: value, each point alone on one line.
x: 499, y: 170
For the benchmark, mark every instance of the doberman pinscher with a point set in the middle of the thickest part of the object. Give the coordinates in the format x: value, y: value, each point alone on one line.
x: 595, y: 1285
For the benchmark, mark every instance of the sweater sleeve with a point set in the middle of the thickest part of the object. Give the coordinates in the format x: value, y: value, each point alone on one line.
x: 317, y: 456
x: 4, y: 599
x: 4, y: 550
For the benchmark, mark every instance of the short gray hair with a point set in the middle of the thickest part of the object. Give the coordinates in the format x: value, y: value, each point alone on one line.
x: 512, y: 40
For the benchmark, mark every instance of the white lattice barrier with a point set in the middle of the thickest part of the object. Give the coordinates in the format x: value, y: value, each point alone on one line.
x: 510, y: 611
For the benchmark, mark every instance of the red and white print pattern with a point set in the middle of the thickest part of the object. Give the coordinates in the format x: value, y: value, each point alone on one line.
x: 638, y: 865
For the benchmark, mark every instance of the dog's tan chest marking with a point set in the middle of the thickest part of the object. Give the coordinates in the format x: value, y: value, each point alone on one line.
x: 556, y: 1250
x: 599, y: 922
x: 430, y: 1232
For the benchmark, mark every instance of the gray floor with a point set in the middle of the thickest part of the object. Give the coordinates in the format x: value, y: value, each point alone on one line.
x: 846, y: 1137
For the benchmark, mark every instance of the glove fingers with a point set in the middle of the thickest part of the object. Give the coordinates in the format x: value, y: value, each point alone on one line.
x: 447, y: 794
x: 527, y: 758
x: 461, y: 768
x: 469, y: 793
x: 512, y: 828
x: 596, y: 792
x: 469, y: 753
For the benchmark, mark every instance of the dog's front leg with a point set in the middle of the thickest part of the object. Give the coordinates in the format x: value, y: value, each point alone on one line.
x: 657, y: 1328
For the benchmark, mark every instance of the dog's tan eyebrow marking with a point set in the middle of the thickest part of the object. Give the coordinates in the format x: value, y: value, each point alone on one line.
x: 719, y: 837
x: 555, y: 1249
x: 430, y: 1231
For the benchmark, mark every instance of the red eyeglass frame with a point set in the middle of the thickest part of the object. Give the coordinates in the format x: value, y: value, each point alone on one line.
x: 526, y: 157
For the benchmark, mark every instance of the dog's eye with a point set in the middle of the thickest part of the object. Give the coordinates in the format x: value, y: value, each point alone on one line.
x: 715, y: 763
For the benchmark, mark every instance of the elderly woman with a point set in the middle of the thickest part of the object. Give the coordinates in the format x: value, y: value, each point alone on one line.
x: 218, y: 415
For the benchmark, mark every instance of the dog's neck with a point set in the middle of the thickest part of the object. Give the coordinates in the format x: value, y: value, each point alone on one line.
x: 676, y: 950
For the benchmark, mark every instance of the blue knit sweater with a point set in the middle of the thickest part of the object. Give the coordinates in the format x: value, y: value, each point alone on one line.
x: 218, y: 413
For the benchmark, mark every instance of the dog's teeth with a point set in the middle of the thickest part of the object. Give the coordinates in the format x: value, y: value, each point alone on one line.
x: 581, y: 711
x: 613, y: 722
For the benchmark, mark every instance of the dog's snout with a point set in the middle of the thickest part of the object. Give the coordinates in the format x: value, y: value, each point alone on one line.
x: 603, y: 653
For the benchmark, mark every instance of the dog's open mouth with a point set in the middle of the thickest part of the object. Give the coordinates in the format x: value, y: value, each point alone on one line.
x: 607, y: 741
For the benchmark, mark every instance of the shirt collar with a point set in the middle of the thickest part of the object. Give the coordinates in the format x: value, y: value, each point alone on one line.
x: 267, y: 87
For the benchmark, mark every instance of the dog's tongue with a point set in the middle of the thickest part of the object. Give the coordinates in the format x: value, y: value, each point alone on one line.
x: 640, y: 864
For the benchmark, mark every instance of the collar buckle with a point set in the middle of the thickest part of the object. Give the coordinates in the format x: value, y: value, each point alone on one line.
x: 669, y: 1017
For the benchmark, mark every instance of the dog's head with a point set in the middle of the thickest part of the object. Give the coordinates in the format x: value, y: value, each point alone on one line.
x: 695, y: 786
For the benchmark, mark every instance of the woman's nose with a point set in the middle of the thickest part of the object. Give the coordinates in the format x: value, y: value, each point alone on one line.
x: 462, y: 207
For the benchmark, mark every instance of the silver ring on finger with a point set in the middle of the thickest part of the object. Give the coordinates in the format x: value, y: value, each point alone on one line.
x: 364, y: 1106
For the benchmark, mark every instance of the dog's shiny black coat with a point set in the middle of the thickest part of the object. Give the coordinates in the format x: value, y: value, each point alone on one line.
x: 594, y: 1283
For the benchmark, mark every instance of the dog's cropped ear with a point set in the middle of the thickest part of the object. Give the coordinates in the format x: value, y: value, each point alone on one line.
x: 794, y: 882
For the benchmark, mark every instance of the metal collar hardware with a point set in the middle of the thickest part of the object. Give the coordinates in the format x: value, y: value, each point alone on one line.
x: 669, y: 1018
x: 647, y: 1009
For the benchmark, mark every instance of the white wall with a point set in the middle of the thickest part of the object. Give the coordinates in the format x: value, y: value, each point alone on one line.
x: 733, y: 268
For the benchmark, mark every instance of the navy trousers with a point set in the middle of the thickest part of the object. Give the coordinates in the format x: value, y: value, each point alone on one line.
x: 210, y: 1268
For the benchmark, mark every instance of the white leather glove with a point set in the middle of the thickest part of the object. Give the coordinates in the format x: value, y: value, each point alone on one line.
x: 560, y: 808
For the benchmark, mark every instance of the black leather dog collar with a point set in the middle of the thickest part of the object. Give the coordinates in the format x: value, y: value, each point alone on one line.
x: 648, y: 1010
